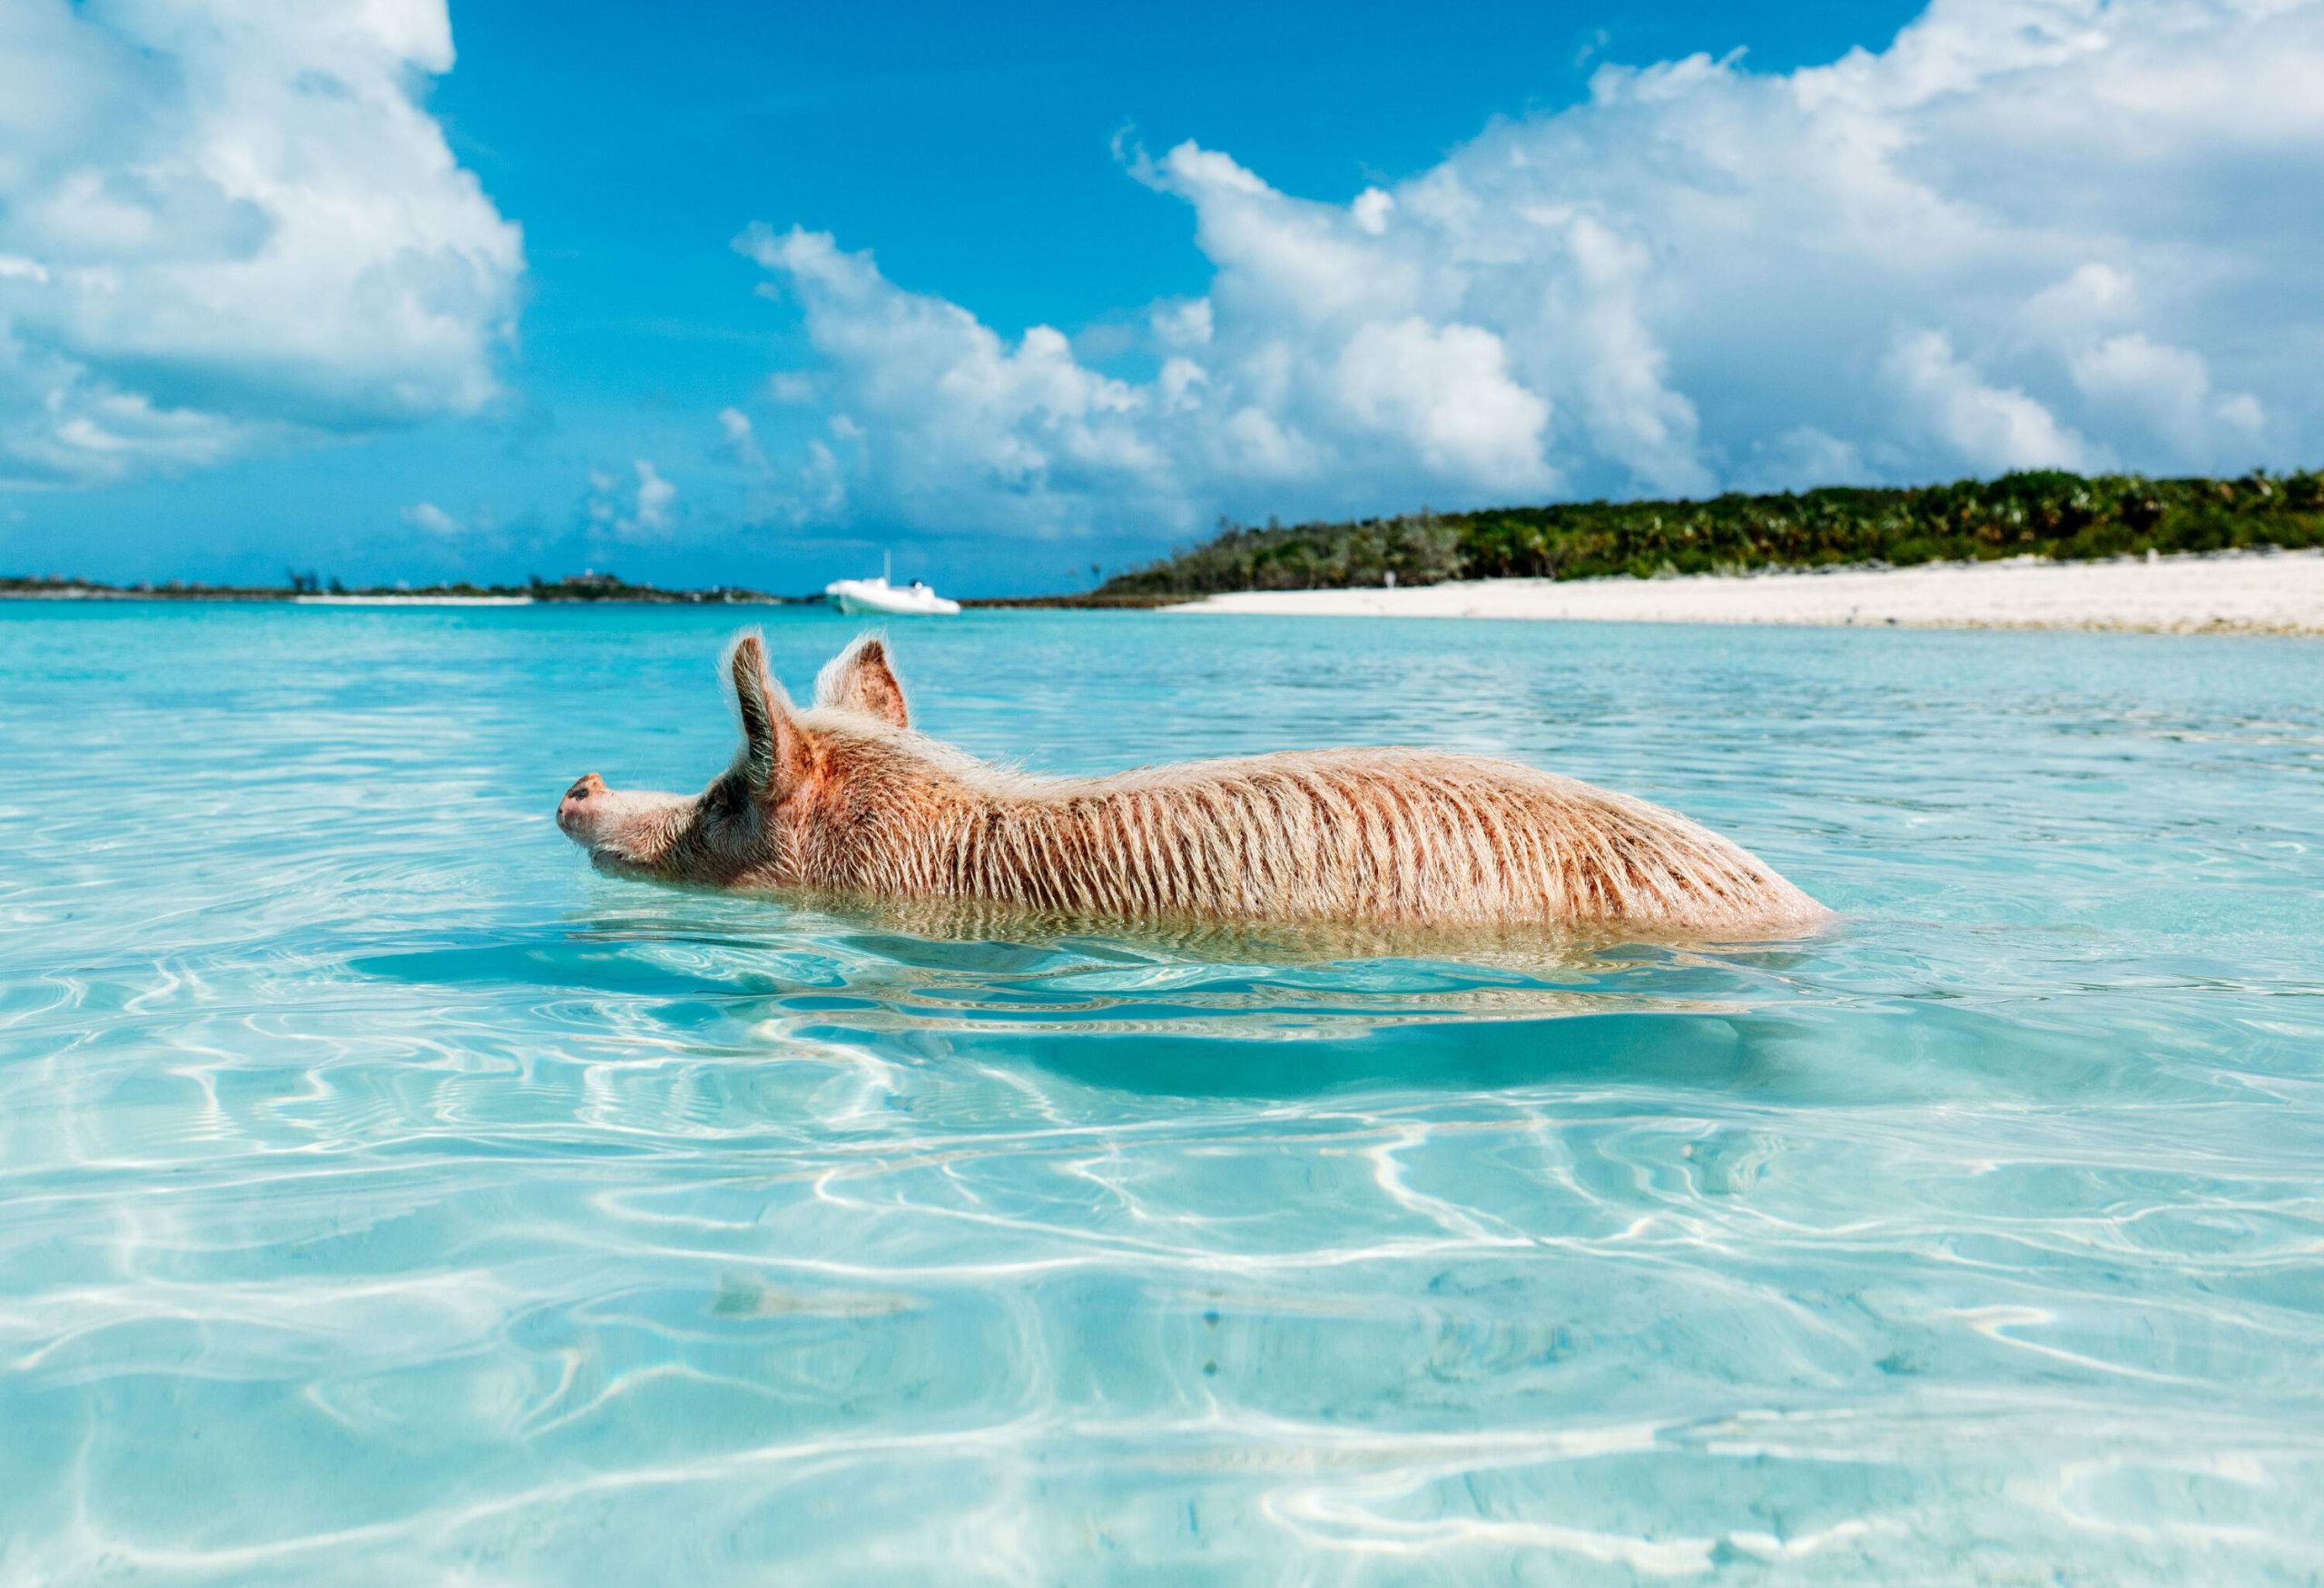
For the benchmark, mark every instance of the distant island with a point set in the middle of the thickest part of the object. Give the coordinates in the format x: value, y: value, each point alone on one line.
x: 2047, y: 514
x: 311, y: 588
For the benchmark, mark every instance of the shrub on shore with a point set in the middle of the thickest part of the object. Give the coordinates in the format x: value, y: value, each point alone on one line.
x: 2047, y: 513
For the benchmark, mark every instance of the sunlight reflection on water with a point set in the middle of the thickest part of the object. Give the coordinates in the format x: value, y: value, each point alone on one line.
x: 389, y: 1197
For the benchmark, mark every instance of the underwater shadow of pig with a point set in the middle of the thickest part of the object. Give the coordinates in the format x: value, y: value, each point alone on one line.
x: 1664, y: 1050
x: 1203, y: 1013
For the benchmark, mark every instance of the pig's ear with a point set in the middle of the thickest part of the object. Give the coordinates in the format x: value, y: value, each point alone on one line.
x: 861, y: 679
x: 774, y: 752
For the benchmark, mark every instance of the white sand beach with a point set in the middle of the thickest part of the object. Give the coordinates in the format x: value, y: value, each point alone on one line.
x: 2263, y: 592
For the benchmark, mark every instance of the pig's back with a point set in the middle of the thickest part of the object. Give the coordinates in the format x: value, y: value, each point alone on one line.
x: 1389, y: 836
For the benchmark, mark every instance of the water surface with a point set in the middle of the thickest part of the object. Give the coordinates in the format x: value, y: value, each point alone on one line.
x: 386, y: 1198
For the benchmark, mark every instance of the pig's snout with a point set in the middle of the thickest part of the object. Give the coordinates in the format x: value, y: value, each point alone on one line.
x: 625, y: 831
x: 575, y: 805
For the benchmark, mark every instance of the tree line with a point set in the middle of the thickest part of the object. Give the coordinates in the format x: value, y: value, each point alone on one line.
x: 2044, y: 513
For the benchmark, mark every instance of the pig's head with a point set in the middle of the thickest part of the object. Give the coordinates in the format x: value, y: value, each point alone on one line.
x: 797, y: 781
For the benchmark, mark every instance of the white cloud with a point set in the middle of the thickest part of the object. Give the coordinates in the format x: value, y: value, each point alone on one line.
x: 655, y: 499
x: 2092, y: 297
x: 428, y: 516
x: 2168, y: 390
x: 1186, y: 324
x: 1802, y: 458
x: 225, y: 224
x: 1992, y: 428
x: 2028, y: 232
x: 2156, y: 395
x: 974, y: 433
x: 794, y: 388
x: 742, y: 442
x: 646, y: 511
x: 1445, y: 391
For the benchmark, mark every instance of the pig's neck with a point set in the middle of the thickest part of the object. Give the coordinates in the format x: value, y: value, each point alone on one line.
x: 1101, y: 848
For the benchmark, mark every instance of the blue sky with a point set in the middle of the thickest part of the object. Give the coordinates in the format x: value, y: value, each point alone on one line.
x: 397, y: 293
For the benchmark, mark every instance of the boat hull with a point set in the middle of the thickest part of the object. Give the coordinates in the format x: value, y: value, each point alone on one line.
x: 860, y: 598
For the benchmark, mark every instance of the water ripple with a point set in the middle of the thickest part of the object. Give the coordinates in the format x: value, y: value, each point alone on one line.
x: 387, y: 1199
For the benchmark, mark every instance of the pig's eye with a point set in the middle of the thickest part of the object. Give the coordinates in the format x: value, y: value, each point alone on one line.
x: 725, y: 798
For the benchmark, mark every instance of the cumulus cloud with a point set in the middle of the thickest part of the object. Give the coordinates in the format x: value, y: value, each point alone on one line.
x: 969, y: 431
x: 2028, y: 232
x: 1992, y: 430
x: 794, y: 387
x: 741, y: 439
x: 224, y: 224
x: 646, y: 510
x: 2167, y: 391
x: 652, y: 506
x: 1445, y: 389
x: 428, y: 516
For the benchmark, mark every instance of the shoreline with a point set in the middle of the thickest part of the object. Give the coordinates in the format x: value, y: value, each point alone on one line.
x: 248, y: 597
x: 2242, y: 592
x: 2272, y: 591
x: 413, y: 601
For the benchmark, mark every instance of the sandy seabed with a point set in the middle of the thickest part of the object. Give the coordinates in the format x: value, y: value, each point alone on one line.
x: 2259, y: 592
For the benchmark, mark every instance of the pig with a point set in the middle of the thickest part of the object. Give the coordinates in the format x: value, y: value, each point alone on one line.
x: 844, y: 801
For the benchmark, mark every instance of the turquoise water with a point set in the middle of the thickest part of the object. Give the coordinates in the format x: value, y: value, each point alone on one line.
x: 385, y: 1197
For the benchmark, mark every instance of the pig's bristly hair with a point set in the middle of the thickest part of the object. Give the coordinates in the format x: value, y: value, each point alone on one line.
x: 862, y: 678
x: 1399, y: 837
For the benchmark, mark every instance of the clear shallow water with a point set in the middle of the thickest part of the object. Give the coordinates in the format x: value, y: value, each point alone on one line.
x: 385, y: 1197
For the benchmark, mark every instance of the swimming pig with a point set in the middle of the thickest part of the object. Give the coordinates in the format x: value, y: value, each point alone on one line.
x: 843, y: 800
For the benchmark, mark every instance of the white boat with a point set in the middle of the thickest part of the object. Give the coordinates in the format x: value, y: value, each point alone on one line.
x: 855, y: 597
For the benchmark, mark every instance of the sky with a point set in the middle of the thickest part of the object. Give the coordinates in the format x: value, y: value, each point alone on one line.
x: 755, y: 294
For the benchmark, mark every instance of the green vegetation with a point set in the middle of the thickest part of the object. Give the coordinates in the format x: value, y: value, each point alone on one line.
x: 2046, y: 514
x: 597, y: 586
